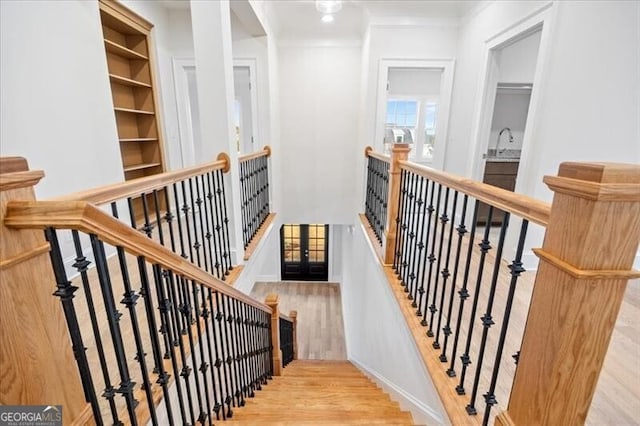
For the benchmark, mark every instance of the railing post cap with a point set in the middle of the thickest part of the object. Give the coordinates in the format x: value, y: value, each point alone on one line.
x: 271, y: 299
x: 367, y: 150
x: 268, y: 149
x: 223, y: 156
x: 601, y: 172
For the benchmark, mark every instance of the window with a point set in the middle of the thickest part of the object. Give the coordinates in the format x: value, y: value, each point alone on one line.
x: 412, y: 121
x: 430, y: 112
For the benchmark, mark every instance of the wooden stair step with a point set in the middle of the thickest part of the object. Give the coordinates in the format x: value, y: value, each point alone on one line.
x: 320, y: 393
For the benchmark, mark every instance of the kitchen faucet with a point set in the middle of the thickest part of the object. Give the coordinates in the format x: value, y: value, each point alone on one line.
x: 498, y: 150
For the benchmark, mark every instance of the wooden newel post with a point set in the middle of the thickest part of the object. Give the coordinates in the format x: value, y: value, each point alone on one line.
x: 272, y: 301
x: 294, y: 318
x: 585, y: 263
x: 36, y: 358
x: 399, y: 152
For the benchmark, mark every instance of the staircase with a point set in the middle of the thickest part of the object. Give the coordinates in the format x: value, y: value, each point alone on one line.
x: 313, y: 392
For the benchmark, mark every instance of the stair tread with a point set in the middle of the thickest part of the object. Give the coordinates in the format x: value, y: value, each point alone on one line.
x: 317, y: 392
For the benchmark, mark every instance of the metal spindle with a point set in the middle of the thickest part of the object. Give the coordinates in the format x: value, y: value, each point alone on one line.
x: 516, y: 269
x: 130, y: 299
x: 461, y: 229
x: 415, y: 269
x: 463, y: 293
x: 432, y: 258
x: 487, y: 319
x: 406, y: 227
x: 226, y: 255
x: 413, y: 239
x: 397, y: 254
x: 220, y: 315
x: 424, y: 294
x: 113, y: 318
x: 444, y: 219
x: 485, y: 246
x: 65, y: 291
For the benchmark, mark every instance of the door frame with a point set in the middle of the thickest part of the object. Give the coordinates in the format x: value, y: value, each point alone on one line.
x: 304, y: 260
x: 252, y: 64
x: 185, y: 129
x: 446, y: 89
x: 542, y: 19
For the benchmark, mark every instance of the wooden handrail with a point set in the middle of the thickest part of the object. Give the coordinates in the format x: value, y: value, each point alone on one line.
x: 264, y: 152
x: 369, y: 152
x: 526, y: 207
x: 118, y: 191
x: 285, y: 317
x: 84, y: 216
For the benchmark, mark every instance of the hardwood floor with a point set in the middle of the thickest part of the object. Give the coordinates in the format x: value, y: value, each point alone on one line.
x: 320, y: 324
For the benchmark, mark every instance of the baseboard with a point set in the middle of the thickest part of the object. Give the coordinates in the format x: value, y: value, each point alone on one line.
x: 422, y: 414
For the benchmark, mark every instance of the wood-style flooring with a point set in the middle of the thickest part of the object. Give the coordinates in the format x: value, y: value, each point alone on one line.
x: 320, y: 325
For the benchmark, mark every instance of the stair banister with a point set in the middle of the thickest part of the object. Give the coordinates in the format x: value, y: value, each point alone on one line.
x: 35, y: 355
x: 585, y: 263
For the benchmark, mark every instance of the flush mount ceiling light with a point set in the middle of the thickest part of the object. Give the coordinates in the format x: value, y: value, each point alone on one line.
x: 328, y: 6
x: 327, y: 18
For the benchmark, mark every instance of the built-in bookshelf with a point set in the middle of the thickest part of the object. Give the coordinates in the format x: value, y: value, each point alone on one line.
x: 130, y: 62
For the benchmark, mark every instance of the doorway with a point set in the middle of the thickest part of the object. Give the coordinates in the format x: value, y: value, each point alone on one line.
x: 413, y: 107
x: 304, y: 252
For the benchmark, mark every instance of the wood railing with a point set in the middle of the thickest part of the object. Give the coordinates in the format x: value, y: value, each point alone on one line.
x: 447, y: 267
x: 183, y: 338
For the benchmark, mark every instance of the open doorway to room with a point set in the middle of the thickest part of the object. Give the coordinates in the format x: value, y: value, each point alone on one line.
x: 413, y: 107
x: 304, y: 252
x: 244, y: 108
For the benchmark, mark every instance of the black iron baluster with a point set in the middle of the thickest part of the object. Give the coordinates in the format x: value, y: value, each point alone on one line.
x: 215, y: 227
x: 464, y: 295
x: 220, y: 318
x: 407, y: 228
x: 226, y: 255
x: 196, y: 241
x: 206, y: 237
x: 198, y: 313
x: 168, y: 217
x: 266, y: 188
x: 384, y: 199
x: 130, y: 299
x: 413, y: 243
x: 487, y: 319
x: 255, y: 354
x: 243, y: 204
x: 431, y: 258
x: 233, y: 373
x: 254, y: 197
x: 233, y: 326
x: 397, y: 254
x: 419, y: 289
x: 184, y: 298
x: 428, y: 209
x: 461, y: 229
x: 156, y: 204
x: 207, y: 317
x: 445, y: 271
x: 185, y: 212
x: 415, y: 270
x: 65, y: 291
x: 164, y: 306
x: 244, y: 315
x: 485, y: 246
x: 213, y: 350
x: 432, y: 307
x: 369, y: 207
x: 113, y: 319
x: 185, y: 372
x: 147, y: 228
x: 239, y: 349
x: 190, y: 319
x: 516, y: 269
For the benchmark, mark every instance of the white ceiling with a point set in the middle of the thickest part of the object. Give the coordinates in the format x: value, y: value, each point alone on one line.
x: 296, y: 19
x: 299, y: 19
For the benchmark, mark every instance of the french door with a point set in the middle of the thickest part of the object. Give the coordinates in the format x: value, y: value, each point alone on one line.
x: 304, y: 252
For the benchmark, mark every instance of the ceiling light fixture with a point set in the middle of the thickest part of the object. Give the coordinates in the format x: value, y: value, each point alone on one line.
x: 328, y: 6
x: 327, y: 18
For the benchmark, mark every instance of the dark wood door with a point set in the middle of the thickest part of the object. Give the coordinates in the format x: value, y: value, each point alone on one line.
x: 304, y: 252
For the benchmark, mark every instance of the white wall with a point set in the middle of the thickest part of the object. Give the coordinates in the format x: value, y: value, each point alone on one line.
x: 377, y: 336
x: 319, y: 89
x: 436, y: 41
x: 510, y: 110
x: 517, y: 61
x: 55, y: 99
